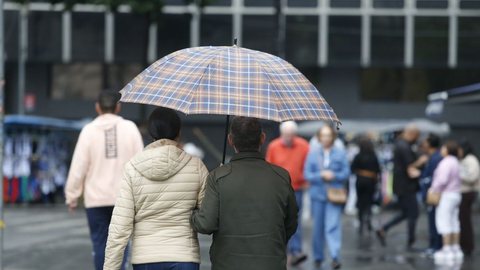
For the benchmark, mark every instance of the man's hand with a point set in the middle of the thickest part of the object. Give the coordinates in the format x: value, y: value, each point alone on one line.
x: 327, y: 175
x: 72, y: 207
x: 413, y: 172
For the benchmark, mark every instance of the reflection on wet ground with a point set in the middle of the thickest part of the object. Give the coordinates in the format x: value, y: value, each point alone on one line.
x: 365, y: 252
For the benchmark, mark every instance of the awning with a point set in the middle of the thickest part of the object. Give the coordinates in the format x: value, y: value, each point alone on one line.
x: 460, y: 95
x: 43, y: 122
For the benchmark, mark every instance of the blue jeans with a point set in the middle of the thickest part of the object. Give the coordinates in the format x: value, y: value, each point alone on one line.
x: 327, y: 225
x: 295, y: 243
x: 98, y: 222
x: 167, y: 266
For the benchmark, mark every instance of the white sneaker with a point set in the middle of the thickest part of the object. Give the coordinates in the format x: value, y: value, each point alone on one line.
x: 443, y: 255
x: 457, y: 254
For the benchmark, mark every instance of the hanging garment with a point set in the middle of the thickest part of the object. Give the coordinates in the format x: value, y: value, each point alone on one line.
x: 6, y: 189
x: 14, y: 190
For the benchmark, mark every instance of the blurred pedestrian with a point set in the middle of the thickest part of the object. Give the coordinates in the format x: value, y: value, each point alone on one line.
x: 249, y: 206
x: 161, y: 187
x: 447, y: 183
x: 366, y: 167
x: 327, y: 170
x: 470, y: 176
x: 290, y: 152
x: 431, y: 147
x: 103, y: 148
x: 405, y: 184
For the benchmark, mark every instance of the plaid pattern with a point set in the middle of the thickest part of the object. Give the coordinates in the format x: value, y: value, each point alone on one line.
x: 229, y: 81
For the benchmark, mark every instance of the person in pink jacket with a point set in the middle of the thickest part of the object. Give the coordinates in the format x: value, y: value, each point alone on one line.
x: 103, y: 148
x: 446, y: 181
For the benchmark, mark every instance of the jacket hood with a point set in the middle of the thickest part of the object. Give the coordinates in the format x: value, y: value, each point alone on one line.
x: 160, y: 160
x: 106, y: 121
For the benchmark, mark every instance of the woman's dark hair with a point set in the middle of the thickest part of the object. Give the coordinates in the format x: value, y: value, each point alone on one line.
x: 246, y: 133
x: 452, y: 148
x: 108, y: 100
x: 164, y: 123
x: 467, y: 147
x: 366, y: 146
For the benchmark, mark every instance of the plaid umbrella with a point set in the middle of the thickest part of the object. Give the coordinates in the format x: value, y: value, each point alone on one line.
x: 229, y: 81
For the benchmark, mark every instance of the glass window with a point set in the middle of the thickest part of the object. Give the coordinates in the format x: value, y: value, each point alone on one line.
x: 260, y: 33
x: 432, y: 4
x: 469, y: 4
x: 76, y: 81
x: 302, y: 40
x: 120, y: 75
x: 387, y: 41
x: 345, y: 3
x: 414, y: 85
x: 88, y: 41
x: 344, y: 42
x: 468, y: 41
x: 259, y: 3
x: 302, y: 3
x: 45, y: 36
x: 11, y: 30
x: 431, y: 41
x: 388, y: 3
x: 131, y: 37
x: 220, y: 2
x: 216, y: 30
x: 173, y: 33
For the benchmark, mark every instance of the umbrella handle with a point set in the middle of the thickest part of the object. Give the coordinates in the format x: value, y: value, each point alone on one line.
x: 225, y: 140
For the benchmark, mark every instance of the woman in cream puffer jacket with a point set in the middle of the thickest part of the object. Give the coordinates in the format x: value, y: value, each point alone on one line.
x: 161, y: 186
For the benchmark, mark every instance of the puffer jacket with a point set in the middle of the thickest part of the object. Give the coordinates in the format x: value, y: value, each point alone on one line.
x: 161, y: 186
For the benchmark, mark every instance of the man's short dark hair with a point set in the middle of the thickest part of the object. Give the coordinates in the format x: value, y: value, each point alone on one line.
x: 246, y: 133
x: 108, y: 100
x: 164, y: 123
x: 433, y: 140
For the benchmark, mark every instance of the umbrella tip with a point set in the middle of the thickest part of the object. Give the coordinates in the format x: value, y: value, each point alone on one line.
x: 235, y: 41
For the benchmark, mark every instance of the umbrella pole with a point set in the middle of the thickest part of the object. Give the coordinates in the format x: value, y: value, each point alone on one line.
x: 225, y: 140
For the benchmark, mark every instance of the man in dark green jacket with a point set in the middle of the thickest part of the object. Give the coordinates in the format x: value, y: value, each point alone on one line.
x: 249, y: 206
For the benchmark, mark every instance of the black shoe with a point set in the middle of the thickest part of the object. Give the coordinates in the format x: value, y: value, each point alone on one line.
x: 318, y: 264
x: 336, y: 264
x: 381, y: 237
x: 298, y: 259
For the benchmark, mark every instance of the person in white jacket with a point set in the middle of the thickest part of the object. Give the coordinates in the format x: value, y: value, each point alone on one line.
x: 103, y: 148
x: 161, y: 187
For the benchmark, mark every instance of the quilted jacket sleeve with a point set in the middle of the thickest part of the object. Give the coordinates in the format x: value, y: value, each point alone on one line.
x: 121, y: 225
x: 203, y: 172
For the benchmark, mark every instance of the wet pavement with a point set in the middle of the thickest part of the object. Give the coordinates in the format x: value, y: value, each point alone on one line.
x: 48, y: 237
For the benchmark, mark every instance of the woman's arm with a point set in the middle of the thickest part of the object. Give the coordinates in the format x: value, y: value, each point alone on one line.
x: 311, y: 170
x: 121, y: 225
x: 441, y: 176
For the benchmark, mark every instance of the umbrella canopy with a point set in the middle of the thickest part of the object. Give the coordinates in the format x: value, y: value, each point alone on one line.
x: 229, y: 81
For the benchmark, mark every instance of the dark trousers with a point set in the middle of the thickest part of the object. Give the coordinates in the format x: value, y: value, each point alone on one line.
x: 167, y: 266
x: 365, y: 192
x: 409, y: 211
x: 467, y: 238
x: 98, y: 222
x: 435, y: 239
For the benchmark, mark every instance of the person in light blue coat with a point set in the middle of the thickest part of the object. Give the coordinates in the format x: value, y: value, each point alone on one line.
x: 326, y: 166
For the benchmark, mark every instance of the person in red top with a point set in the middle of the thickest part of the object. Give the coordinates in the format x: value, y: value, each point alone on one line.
x: 290, y: 151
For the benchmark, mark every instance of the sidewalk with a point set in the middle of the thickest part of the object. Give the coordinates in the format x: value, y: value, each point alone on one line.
x: 43, y: 237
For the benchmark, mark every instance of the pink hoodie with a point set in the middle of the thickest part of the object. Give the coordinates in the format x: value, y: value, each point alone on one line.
x: 104, y: 147
x: 447, y: 176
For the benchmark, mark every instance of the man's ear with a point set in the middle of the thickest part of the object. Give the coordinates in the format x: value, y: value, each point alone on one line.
x: 263, y: 137
x: 118, y: 108
x: 97, y: 108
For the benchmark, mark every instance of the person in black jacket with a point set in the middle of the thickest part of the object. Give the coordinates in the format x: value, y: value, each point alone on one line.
x: 249, y: 206
x: 405, y: 184
x: 366, y: 168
